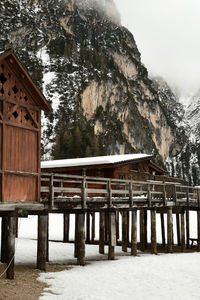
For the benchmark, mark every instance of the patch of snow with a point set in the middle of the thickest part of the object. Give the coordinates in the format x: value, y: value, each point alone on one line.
x: 103, y: 160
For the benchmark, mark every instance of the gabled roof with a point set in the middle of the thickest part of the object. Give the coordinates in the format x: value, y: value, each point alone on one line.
x: 21, y: 72
x: 93, y: 161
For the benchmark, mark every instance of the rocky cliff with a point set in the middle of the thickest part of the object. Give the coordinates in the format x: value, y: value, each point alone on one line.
x: 89, y: 67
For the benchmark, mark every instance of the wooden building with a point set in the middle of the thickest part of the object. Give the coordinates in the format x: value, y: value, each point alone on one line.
x: 137, y: 166
x: 21, y: 103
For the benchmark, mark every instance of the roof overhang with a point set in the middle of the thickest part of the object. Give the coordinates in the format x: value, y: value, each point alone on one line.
x: 21, y: 72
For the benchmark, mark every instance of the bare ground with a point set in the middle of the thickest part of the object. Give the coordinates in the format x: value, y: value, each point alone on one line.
x: 25, y: 285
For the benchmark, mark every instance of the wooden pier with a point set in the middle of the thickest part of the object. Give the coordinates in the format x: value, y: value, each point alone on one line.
x: 112, y: 199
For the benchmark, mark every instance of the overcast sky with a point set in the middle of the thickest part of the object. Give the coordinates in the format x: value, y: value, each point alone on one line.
x: 167, y: 33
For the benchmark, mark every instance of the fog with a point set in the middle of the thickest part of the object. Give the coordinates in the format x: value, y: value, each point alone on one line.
x: 167, y: 33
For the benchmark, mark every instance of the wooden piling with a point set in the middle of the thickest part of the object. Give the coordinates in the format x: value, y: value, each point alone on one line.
x: 66, y: 227
x: 134, y: 233
x: 178, y: 229
x: 88, y: 227
x: 117, y: 225
x: 143, y: 229
x: 11, y: 247
x: 75, y: 237
x: 112, y: 238
x: 153, y: 232
x: 80, y: 239
x: 93, y: 226
x: 169, y: 230
x: 124, y: 231
x: 198, y: 230
x: 47, y: 240
x: 182, y: 232
x: 187, y: 228
x: 162, y: 221
x: 101, y: 232
x: 4, y: 239
x: 42, y: 242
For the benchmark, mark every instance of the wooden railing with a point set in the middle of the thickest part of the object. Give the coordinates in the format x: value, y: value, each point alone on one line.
x: 82, y: 191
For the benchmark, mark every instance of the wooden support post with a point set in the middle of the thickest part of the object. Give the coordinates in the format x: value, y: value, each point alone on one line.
x: 42, y: 242
x: 11, y: 247
x: 88, y: 227
x: 81, y: 239
x: 145, y: 229
x: 142, y: 243
x: 47, y: 240
x: 178, y: 229
x: 182, y: 232
x: 188, y: 229
x: 4, y: 239
x: 106, y: 227
x: 66, y: 227
x: 75, y: 237
x: 101, y: 232
x: 93, y: 227
x: 16, y: 227
x: 117, y: 224
x: 124, y: 231
x: 169, y: 230
x: 153, y: 232
x: 112, y: 238
x: 134, y: 233
x: 198, y: 230
x: 163, y: 229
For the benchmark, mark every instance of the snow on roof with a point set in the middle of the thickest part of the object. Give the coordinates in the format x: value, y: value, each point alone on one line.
x: 90, y: 161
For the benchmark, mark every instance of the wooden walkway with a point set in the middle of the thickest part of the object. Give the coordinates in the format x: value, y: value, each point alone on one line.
x: 119, y: 203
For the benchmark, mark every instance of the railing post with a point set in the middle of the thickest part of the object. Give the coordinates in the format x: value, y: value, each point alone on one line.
x: 149, y: 194
x: 109, y: 193
x: 198, y: 196
x: 84, y: 192
x: 51, y: 191
x: 164, y: 195
x: 188, y: 197
x: 131, y: 192
x: 174, y: 195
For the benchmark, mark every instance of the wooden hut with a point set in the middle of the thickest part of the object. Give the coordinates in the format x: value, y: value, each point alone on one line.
x: 21, y: 103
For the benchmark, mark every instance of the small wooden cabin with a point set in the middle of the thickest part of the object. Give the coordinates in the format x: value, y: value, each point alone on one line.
x: 21, y: 103
x: 139, y: 166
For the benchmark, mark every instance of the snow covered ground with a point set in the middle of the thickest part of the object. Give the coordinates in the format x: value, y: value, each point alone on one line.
x: 165, y: 276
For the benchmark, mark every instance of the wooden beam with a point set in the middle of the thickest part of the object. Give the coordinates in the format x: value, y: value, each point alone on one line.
x: 134, y: 233
x: 153, y: 232
x: 42, y: 242
x: 117, y: 224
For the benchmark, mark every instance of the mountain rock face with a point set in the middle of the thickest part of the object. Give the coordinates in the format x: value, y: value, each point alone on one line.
x: 89, y: 67
x: 185, y: 120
